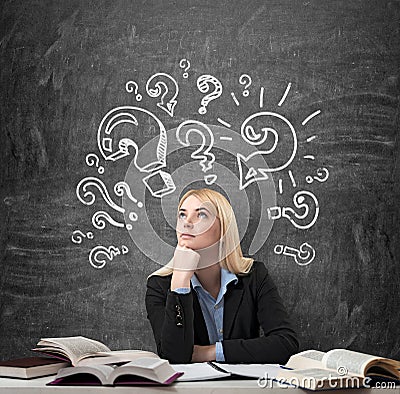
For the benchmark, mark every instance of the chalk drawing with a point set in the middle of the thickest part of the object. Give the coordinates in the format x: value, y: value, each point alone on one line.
x: 121, y: 188
x: 292, y: 178
x: 159, y: 178
x: 115, y: 150
x: 204, y: 84
x: 78, y: 235
x: 306, y: 120
x: 93, y: 160
x: 262, y: 96
x: 100, y: 255
x: 282, y: 100
x: 100, y: 218
x: 312, y: 138
x: 245, y: 80
x: 304, y: 217
x: 302, y: 256
x: 133, y: 87
x: 235, y: 99
x: 203, y: 153
x: 164, y: 86
x: 252, y: 137
x: 87, y: 197
x: 185, y: 64
x: 322, y: 176
x: 226, y: 124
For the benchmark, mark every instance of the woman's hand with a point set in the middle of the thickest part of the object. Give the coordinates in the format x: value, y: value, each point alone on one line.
x: 184, y: 264
x: 203, y: 353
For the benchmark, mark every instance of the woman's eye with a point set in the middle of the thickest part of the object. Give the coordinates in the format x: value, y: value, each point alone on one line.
x: 181, y: 215
x: 202, y: 215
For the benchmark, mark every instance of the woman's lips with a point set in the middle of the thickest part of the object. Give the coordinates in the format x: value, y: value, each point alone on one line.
x: 187, y: 236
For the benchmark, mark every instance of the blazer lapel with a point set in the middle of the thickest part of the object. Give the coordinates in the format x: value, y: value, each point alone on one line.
x: 232, y: 300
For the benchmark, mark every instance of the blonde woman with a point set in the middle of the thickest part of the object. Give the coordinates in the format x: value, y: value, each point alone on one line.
x: 209, y: 302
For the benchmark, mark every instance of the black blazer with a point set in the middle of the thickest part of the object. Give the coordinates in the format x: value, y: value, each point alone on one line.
x: 178, y: 323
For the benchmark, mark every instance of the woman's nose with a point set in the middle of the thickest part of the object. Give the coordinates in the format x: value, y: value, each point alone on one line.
x: 188, y: 224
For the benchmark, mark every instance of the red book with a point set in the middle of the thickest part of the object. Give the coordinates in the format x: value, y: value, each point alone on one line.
x: 30, y: 367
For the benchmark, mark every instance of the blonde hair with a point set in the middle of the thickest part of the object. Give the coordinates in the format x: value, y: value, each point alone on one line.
x: 231, y: 254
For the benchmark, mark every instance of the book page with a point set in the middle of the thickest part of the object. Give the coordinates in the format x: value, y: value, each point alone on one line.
x: 347, y: 360
x: 76, y: 347
x: 306, y: 359
x: 198, y: 371
x: 102, y: 372
x: 267, y: 371
x: 115, y: 357
x: 151, y: 368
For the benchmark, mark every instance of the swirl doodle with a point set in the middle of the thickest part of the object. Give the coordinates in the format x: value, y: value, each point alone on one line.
x: 100, y: 254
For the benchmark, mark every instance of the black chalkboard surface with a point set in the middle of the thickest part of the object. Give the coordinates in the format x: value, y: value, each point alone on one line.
x: 297, y: 103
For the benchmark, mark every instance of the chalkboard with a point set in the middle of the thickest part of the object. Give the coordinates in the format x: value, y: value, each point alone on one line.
x: 296, y: 107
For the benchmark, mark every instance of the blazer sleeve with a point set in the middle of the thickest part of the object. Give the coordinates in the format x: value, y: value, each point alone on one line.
x: 171, y: 319
x: 279, y: 341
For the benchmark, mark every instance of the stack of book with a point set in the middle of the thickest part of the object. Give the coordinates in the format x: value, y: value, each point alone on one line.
x: 83, y: 361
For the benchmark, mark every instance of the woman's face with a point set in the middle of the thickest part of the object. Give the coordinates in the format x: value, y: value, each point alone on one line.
x: 197, y: 225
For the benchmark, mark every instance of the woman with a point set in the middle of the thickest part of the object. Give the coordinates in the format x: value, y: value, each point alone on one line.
x: 209, y: 302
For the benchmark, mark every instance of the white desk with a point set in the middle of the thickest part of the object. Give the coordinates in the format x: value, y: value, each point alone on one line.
x: 38, y: 386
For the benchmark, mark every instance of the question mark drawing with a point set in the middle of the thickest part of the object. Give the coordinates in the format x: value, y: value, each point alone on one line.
x: 183, y: 132
x: 78, y: 235
x: 185, y: 64
x: 204, y: 84
x: 133, y: 87
x: 245, y: 79
x: 87, y: 197
x: 93, y: 160
x: 98, y: 262
x: 322, y: 176
x: 302, y: 256
x: 158, y: 83
x: 299, y: 220
x: 100, y: 218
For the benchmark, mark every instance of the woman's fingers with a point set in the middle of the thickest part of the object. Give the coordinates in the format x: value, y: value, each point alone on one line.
x: 185, y: 259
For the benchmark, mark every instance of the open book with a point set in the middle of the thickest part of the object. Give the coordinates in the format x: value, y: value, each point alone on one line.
x: 213, y: 370
x: 338, y: 368
x: 84, y: 351
x: 143, y: 371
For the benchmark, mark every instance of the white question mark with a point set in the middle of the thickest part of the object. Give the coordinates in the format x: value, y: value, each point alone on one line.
x: 168, y: 84
x: 245, y: 79
x: 302, y: 256
x: 203, y: 152
x: 323, y: 175
x: 78, y: 235
x: 129, y: 88
x: 93, y: 160
x: 88, y: 197
x: 100, y: 217
x: 97, y: 262
x: 185, y: 64
x: 204, y: 82
x: 294, y: 217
